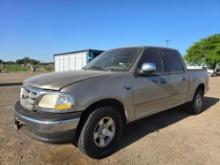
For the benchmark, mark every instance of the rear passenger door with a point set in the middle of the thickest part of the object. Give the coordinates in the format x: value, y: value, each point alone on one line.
x: 177, y: 76
x: 151, y: 92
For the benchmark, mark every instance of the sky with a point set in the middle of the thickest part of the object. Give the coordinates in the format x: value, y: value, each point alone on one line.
x: 40, y: 28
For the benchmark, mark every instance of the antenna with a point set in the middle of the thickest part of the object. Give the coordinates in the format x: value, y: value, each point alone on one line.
x: 167, y: 43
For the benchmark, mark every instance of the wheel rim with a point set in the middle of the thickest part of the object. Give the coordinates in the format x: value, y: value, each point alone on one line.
x: 198, y: 102
x: 104, y: 132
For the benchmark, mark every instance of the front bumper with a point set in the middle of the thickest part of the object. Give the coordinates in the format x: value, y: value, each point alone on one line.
x: 48, y: 127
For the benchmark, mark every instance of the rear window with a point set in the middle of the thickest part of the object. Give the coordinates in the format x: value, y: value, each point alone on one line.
x: 173, y: 61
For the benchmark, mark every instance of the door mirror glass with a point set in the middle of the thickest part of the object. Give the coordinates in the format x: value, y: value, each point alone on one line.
x: 147, y: 68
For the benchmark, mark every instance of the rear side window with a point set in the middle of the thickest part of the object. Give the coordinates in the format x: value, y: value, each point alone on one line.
x: 173, y: 61
x: 153, y: 56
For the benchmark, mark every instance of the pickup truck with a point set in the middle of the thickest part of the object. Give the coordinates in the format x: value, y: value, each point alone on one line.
x: 90, y: 107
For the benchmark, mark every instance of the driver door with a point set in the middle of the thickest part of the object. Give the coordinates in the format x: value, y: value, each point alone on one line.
x: 151, y: 92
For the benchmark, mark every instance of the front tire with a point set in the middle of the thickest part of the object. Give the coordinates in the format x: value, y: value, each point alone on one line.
x: 101, y: 132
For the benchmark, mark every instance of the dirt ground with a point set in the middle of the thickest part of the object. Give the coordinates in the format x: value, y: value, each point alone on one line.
x: 15, y: 77
x: 170, y: 137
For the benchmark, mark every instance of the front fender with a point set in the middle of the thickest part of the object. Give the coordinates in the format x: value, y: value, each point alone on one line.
x: 91, y: 91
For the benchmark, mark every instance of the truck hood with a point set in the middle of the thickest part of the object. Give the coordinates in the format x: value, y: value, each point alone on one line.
x: 59, y: 80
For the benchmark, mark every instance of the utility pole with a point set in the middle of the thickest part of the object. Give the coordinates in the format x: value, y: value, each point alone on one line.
x: 167, y: 43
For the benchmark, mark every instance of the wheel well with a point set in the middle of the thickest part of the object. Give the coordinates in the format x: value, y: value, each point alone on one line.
x: 106, y: 102
x: 202, y: 87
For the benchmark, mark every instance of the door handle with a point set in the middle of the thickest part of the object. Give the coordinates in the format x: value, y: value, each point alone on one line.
x: 127, y: 87
x: 163, y: 81
x: 183, y: 79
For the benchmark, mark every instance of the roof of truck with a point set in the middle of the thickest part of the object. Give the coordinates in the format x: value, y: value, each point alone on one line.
x: 141, y: 47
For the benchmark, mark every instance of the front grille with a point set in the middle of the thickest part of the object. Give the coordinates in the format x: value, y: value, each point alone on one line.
x: 28, y: 97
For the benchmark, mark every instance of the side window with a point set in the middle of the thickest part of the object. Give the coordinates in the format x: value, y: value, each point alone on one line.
x: 173, y: 61
x: 154, y: 56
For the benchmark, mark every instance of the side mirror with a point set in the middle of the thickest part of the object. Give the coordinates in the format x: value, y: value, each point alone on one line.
x: 147, y: 68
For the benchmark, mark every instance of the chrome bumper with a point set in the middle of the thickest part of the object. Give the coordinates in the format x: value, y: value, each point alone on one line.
x: 55, y: 131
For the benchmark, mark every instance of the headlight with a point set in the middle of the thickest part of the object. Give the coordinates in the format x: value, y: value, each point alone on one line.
x: 57, y: 101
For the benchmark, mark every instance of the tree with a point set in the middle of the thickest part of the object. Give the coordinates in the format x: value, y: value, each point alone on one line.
x: 27, y: 60
x: 1, y: 61
x: 10, y: 62
x: 205, y: 52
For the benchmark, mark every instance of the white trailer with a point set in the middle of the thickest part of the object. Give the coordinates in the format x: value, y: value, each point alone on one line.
x: 74, y: 60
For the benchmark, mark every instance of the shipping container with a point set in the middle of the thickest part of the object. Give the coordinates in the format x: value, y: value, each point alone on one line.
x: 74, y: 60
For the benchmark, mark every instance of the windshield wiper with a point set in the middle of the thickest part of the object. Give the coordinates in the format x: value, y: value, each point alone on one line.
x: 98, y: 67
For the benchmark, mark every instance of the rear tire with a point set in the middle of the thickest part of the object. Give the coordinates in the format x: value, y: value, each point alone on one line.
x: 101, y: 132
x: 196, y: 105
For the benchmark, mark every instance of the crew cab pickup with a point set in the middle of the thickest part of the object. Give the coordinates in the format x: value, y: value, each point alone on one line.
x: 90, y: 107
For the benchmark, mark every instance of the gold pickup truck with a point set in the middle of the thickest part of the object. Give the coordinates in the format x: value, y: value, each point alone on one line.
x: 91, y: 106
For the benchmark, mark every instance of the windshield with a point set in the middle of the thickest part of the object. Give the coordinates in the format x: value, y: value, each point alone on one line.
x: 115, y: 60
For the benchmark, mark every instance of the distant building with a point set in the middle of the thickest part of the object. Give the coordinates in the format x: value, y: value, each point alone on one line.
x: 74, y: 60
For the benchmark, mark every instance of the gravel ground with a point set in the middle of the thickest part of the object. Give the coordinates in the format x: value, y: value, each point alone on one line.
x: 170, y: 137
